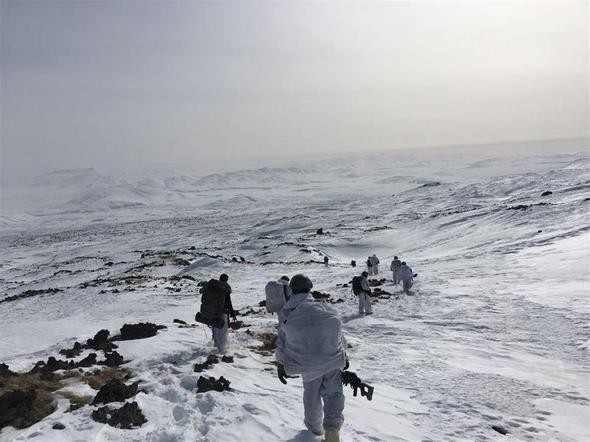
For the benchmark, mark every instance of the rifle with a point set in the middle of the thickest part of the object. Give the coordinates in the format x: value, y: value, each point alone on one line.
x: 351, y: 378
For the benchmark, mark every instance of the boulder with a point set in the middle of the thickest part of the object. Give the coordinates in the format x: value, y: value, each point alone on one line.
x: 499, y: 429
x: 88, y: 361
x: 113, y: 359
x: 72, y: 352
x: 126, y: 417
x: 211, y: 384
x: 139, y: 331
x: 211, y: 360
x: 5, y: 371
x: 115, y: 391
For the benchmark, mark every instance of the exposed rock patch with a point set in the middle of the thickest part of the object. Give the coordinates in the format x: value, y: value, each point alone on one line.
x: 141, y: 330
x: 126, y: 417
x: 115, y: 391
x: 211, y: 384
x: 211, y: 360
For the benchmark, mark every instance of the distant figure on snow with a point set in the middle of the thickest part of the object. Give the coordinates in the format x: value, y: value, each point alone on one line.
x: 369, y: 266
x: 220, y: 334
x: 326, y: 260
x: 310, y: 343
x: 374, y: 265
x: 395, y: 265
x: 361, y: 288
x: 406, y: 276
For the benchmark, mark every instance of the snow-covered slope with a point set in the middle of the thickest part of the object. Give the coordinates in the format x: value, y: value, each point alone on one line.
x: 495, y: 334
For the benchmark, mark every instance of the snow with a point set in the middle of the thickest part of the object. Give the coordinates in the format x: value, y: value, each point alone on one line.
x: 495, y: 333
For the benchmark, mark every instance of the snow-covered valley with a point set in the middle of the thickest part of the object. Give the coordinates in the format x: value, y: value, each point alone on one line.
x: 496, y: 333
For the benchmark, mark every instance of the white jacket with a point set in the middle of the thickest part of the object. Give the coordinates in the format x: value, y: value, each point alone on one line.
x: 310, y: 340
x: 405, y: 273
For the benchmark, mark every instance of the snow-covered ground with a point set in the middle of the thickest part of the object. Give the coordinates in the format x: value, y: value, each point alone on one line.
x: 496, y: 332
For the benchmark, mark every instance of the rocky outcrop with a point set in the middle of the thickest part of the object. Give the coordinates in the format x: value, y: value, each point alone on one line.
x: 211, y: 384
x: 126, y: 417
x: 115, y: 391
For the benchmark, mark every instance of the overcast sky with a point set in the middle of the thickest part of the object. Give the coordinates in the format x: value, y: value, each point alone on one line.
x: 131, y: 83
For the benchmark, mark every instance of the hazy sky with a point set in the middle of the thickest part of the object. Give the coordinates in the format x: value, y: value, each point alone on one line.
x: 117, y: 83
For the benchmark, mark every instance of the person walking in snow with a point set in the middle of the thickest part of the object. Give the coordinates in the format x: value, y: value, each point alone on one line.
x: 220, y: 334
x: 406, y: 276
x: 395, y: 265
x: 374, y: 264
x: 364, y: 296
x: 369, y: 266
x: 310, y: 343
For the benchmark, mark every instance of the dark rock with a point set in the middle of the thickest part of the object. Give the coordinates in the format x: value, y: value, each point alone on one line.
x: 211, y: 384
x: 29, y: 293
x: 376, y: 282
x: 139, y: 331
x: 228, y: 359
x: 503, y: 431
x: 353, y: 263
x: 181, y: 262
x: 319, y: 295
x: 379, y: 292
x: 211, y: 360
x: 5, y: 371
x: 88, y: 361
x: 431, y: 184
x: 179, y: 321
x: 100, y: 341
x: 192, y: 248
x: 52, y: 365
x: 108, y: 264
x: 58, y: 426
x: 72, y: 352
x: 189, y: 277
x: 126, y: 417
x: 319, y: 231
x: 326, y: 260
x: 262, y: 303
x: 236, y: 325
x: 16, y: 404
x: 546, y: 193
x: 115, y: 391
x: 113, y: 359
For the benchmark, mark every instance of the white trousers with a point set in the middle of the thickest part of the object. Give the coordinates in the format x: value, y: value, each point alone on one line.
x: 364, y: 303
x: 326, y: 389
x: 220, y: 336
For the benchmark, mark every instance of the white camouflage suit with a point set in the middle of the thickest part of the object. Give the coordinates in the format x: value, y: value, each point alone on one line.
x: 323, y: 400
x: 364, y: 298
x: 374, y: 269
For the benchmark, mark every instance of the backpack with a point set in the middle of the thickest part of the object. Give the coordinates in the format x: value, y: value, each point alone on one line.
x: 313, y: 340
x: 275, y: 296
x: 212, y: 303
x: 357, y: 287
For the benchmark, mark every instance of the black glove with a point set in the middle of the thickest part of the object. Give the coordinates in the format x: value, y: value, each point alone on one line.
x: 282, y: 375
